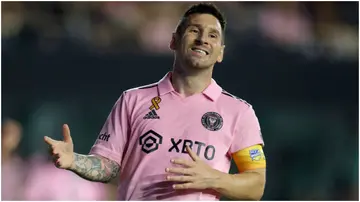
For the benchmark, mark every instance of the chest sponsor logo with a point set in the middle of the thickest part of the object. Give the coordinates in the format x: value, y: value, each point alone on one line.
x: 207, y: 151
x: 150, y: 141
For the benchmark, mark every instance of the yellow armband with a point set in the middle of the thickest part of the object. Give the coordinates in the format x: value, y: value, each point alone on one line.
x: 250, y: 158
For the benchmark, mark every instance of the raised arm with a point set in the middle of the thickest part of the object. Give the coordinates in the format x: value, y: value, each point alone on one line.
x: 89, y: 167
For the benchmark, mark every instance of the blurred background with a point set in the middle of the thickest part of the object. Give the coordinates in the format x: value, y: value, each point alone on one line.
x: 295, y: 62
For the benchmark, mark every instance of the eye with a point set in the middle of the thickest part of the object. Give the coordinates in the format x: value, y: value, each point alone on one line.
x: 213, y: 36
x: 194, y: 30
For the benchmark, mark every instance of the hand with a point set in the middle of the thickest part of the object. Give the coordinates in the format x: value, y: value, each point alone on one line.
x: 196, y: 174
x: 62, y: 151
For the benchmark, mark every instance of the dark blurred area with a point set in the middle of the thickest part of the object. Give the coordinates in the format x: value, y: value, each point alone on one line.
x: 295, y: 62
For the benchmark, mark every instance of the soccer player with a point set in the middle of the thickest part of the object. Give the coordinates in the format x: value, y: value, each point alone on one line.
x: 174, y: 140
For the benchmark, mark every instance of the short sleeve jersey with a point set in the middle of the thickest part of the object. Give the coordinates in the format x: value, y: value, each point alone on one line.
x: 150, y: 125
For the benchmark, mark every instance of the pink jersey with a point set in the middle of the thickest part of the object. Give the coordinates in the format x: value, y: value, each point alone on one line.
x: 150, y: 125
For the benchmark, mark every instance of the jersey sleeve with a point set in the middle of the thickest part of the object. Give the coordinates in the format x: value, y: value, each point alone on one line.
x: 247, y: 131
x: 114, y: 134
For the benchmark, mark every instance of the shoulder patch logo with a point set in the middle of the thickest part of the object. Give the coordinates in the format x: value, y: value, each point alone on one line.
x: 212, y: 121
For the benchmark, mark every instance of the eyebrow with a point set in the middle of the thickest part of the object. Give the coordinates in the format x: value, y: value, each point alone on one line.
x: 199, y: 25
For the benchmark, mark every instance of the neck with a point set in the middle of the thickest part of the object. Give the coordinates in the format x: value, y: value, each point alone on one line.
x: 188, y: 81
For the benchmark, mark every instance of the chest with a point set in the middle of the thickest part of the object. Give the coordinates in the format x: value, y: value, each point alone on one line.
x: 171, y: 125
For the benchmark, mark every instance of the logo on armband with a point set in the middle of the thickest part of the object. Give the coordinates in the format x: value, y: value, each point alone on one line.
x: 255, y: 154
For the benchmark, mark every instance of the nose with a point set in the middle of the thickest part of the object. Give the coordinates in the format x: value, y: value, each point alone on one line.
x: 202, y: 39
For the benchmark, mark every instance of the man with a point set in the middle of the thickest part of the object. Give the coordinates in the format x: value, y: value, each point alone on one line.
x: 174, y: 140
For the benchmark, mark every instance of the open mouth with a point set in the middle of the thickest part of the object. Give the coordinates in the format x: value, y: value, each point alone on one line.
x: 201, y: 51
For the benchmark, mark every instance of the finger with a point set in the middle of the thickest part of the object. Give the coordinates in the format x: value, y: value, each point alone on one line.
x: 183, y: 162
x: 192, y: 154
x: 57, y: 163
x: 182, y: 171
x: 66, y: 134
x: 180, y: 178
x: 50, y: 141
x: 188, y: 185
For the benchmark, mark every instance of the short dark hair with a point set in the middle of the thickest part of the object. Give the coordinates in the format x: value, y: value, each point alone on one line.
x: 202, y: 8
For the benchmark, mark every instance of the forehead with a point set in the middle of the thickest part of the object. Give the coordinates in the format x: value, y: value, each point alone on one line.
x: 205, y: 21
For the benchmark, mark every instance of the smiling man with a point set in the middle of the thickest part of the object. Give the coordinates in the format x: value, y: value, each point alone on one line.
x: 174, y: 140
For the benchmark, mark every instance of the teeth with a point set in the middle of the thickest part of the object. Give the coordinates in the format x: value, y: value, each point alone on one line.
x: 200, y: 51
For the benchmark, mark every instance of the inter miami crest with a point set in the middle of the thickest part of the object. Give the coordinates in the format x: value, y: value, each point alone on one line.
x: 212, y: 121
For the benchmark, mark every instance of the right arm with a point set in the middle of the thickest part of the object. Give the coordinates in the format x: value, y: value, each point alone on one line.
x: 94, y: 168
x: 103, y: 163
x: 104, y: 160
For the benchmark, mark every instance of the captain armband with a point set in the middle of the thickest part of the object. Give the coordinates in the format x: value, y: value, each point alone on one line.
x: 250, y: 158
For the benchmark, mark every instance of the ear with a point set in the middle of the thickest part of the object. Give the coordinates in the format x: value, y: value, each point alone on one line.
x: 221, y: 55
x: 172, y: 44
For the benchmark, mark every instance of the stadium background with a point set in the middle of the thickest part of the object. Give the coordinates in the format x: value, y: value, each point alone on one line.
x: 295, y: 62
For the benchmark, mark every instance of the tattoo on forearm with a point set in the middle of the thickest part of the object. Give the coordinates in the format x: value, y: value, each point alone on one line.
x: 95, y: 168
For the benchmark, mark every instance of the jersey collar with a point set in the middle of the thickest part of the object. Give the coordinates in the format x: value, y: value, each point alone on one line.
x: 164, y: 85
x: 213, y: 91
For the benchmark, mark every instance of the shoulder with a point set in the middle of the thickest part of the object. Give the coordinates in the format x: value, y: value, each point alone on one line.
x: 240, y: 108
x: 142, y: 89
x: 140, y: 94
x: 234, y: 100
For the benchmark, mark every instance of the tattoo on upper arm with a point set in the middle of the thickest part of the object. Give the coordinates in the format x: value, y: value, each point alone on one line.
x: 95, y: 168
